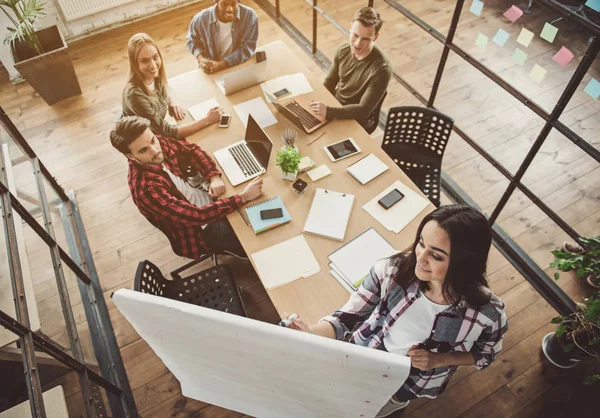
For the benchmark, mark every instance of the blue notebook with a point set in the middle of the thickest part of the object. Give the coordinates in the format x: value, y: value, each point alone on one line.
x: 260, y: 225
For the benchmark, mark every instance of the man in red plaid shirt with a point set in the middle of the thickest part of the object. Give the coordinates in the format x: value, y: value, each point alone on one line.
x: 174, y: 184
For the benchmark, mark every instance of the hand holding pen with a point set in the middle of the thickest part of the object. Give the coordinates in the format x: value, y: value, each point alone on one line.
x: 293, y: 321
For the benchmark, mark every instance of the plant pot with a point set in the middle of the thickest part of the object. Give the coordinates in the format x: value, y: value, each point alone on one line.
x: 51, y: 74
x: 289, y: 176
x: 592, y: 280
x: 555, y: 353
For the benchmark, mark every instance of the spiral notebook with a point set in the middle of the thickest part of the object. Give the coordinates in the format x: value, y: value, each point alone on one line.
x: 261, y: 225
x: 329, y: 214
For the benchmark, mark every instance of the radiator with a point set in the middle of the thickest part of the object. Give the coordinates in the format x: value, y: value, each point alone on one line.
x: 76, y: 9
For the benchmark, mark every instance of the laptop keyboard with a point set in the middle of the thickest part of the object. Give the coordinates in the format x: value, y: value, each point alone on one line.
x: 241, y: 154
x: 307, y: 119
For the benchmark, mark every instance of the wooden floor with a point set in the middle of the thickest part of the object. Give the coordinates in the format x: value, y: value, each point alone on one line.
x: 71, y: 138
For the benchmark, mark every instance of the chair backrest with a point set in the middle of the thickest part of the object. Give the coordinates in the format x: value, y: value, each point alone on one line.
x: 212, y: 288
x: 416, y: 138
x: 370, y: 124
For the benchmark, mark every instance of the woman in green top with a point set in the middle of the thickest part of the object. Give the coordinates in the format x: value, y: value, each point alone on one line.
x: 146, y: 92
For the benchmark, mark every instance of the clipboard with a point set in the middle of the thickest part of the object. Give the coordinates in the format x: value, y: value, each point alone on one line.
x: 329, y: 214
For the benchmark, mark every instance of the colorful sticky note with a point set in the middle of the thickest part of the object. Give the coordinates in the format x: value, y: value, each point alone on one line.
x: 537, y: 73
x: 593, y: 88
x: 513, y: 13
x: 501, y: 37
x: 481, y: 40
x: 549, y: 32
x: 476, y: 7
x: 525, y: 37
x: 563, y: 56
x: 593, y: 4
x: 519, y: 57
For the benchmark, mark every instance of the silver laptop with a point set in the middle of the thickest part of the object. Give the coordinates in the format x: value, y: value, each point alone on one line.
x: 246, y: 159
x: 243, y: 78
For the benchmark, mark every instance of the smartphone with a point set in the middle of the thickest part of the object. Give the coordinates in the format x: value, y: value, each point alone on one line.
x: 271, y: 213
x: 281, y: 93
x: 224, y: 122
x: 391, y: 199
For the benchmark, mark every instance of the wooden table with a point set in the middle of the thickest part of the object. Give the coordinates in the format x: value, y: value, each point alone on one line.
x: 318, y: 295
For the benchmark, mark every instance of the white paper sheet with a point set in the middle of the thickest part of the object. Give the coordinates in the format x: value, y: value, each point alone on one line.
x: 296, y: 84
x: 260, y: 369
x: 402, y: 213
x: 355, y: 259
x: 285, y: 262
x: 367, y: 169
x: 259, y: 111
x: 199, y: 111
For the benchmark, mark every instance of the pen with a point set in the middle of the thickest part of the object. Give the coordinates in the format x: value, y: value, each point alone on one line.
x: 288, y: 322
x: 316, y: 137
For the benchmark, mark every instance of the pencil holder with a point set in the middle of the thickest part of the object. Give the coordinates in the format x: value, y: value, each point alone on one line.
x: 289, y: 136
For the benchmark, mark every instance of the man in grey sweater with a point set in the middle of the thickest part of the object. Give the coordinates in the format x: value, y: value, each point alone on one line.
x: 360, y: 73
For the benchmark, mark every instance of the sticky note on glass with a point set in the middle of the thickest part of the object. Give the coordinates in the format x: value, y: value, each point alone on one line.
x: 476, y: 7
x: 519, y: 57
x: 549, y: 32
x: 593, y: 4
x: 501, y: 37
x: 513, y: 13
x: 525, y: 37
x: 563, y: 56
x: 537, y: 73
x: 481, y: 40
x: 593, y: 88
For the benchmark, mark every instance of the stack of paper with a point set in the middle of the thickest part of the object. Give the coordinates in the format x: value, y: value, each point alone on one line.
x: 351, y: 263
x: 285, y: 262
x: 200, y: 110
x: 296, y: 84
x: 402, y: 213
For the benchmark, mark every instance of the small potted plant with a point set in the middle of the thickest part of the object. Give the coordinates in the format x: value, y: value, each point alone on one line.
x: 40, y: 56
x: 288, y: 160
x: 585, y: 260
x: 577, y: 337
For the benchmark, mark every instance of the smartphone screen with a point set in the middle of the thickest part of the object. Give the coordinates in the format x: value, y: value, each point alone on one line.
x: 391, y: 199
x: 283, y: 92
x: 224, y: 122
x: 271, y: 213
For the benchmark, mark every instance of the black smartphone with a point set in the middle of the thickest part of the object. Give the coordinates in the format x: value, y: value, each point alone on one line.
x: 391, y: 199
x: 281, y: 93
x: 271, y: 213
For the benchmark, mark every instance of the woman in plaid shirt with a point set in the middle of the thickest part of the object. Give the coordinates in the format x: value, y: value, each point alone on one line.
x: 431, y: 303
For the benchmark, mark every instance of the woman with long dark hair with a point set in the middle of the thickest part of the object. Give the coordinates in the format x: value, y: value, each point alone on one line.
x: 431, y: 303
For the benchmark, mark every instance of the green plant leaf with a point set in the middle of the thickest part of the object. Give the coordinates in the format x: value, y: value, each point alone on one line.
x: 557, y: 320
x: 589, y: 380
x: 560, y: 330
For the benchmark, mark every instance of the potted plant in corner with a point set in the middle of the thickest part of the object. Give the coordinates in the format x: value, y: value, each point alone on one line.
x: 577, y: 337
x: 288, y: 160
x: 41, y: 56
x: 584, y: 261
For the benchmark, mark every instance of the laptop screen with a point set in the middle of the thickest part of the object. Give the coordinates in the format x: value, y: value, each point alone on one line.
x: 258, y: 141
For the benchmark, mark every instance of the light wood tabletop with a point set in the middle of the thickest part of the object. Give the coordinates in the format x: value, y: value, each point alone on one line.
x: 318, y: 295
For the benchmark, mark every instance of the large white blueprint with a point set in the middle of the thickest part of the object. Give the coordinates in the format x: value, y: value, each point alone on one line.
x: 262, y: 369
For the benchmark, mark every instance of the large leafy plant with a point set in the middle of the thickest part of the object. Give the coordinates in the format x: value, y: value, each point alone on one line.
x: 23, y: 14
x: 584, y: 263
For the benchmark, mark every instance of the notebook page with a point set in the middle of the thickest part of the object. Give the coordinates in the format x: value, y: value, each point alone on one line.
x: 329, y: 214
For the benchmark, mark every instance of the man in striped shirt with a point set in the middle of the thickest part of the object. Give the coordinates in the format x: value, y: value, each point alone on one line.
x: 161, y: 173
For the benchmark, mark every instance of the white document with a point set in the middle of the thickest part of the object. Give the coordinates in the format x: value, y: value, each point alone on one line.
x: 261, y: 369
x: 355, y: 259
x: 367, y: 169
x: 259, y: 111
x: 319, y: 172
x: 200, y: 110
x: 285, y: 262
x: 296, y: 84
x: 329, y: 214
x: 402, y: 213
x: 335, y: 273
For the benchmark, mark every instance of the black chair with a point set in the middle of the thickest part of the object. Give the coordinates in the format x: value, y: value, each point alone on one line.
x: 211, y: 288
x: 370, y: 123
x: 416, y: 138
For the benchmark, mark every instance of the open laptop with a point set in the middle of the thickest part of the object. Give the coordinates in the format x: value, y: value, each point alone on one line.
x: 243, y: 78
x: 298, y: 111
x: 246, y: 159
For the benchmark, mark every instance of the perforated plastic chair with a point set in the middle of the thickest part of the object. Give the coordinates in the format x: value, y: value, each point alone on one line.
x: 370, y: 124
x: 416, y: 138
x: 211, y: 288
